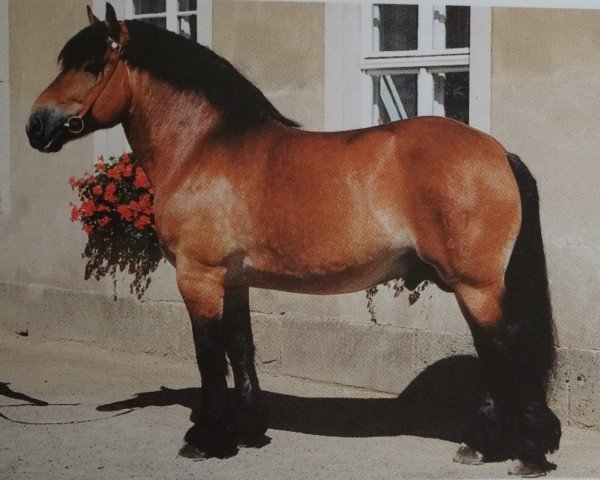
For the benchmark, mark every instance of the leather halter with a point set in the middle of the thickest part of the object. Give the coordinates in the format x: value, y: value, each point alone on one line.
x: 75, y: 123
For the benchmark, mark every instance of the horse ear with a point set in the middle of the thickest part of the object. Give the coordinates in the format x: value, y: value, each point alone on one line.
x: 91, y: 17
x: 111, y: 21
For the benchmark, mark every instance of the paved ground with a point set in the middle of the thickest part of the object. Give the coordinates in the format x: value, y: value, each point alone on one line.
x: 124, y: 415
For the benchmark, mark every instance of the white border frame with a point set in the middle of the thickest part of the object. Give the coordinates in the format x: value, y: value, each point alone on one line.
x: 4, y: 110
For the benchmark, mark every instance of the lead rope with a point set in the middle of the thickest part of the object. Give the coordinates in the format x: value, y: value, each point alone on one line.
x: 68, y: 422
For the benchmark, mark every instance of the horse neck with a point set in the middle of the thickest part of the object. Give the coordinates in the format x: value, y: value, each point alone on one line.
x: 165, y: 126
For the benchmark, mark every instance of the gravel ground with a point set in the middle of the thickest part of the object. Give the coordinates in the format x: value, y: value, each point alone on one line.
x: 117, y: 415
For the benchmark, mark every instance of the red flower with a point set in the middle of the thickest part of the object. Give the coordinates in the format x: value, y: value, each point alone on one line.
x: 97, y: 190
x: 109, y: 192
x: 101, y: 167
x: 87, y: 209
x: 126, y: 157
x: 103, y: 221
x: 74, y: 213
x: 75, y: 182
x: 126, y: 212
x: 87, y: 228
x: 115, y: 173
x: 141, y: 180
x: 142, y: 222
x: 102, y: 208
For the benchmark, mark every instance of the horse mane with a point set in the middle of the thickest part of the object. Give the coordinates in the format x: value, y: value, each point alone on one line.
x: 183, y: 64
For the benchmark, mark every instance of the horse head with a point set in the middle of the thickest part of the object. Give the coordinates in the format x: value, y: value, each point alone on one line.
x: 90, y: 92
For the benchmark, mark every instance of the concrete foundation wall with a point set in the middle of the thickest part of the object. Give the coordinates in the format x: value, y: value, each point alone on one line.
x: 543, y: 107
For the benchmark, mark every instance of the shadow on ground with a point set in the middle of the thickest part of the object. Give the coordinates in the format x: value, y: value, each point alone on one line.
x: 6, y: 391
x: 436, y: 404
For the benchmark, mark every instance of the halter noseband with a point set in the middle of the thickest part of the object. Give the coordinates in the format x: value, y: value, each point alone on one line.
x: 75, y: 124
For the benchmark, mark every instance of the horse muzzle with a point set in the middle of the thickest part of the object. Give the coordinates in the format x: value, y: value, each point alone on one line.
x: 46, y: 129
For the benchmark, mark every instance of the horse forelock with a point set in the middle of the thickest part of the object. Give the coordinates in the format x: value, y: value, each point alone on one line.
x: 182, y: 64
x: 86, y: 48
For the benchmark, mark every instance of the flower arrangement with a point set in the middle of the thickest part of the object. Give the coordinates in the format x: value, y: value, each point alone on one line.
x: 117, y: 213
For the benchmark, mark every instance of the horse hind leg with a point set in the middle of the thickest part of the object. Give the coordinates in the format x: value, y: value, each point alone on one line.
x: 513, y: 419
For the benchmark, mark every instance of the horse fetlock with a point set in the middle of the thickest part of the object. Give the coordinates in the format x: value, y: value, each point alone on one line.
x: 251, y: 422
x: 489, y: 431
x: 210, y: 437
x: 537, y: 432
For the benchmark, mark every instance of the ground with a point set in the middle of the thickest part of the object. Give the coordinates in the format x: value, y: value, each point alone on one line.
x: 117, y: 415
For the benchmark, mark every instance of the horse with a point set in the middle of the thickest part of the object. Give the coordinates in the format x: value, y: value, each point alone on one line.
x: 245, y: 198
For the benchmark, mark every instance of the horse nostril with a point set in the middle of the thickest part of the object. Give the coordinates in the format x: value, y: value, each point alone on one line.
x: 35, y: 127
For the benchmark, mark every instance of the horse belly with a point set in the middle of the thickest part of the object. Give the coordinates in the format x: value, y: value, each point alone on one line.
x: 353, y: 278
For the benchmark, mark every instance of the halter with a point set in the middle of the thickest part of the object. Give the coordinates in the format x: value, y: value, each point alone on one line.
x: 75, y: 124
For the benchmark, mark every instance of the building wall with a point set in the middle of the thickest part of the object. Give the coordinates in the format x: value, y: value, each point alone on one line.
x: 279, y: 47
x: 38, y: 243
x: 545, y: 108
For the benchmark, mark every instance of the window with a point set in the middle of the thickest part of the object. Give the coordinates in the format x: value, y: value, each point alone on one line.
x: 403, y: 60
x: 417, y: 58
x: 190, y: 18
x: 179, y: 16
x: 4, y: 110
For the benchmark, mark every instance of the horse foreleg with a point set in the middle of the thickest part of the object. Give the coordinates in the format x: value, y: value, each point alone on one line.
x: 202, y: 291
x: 251, y: 413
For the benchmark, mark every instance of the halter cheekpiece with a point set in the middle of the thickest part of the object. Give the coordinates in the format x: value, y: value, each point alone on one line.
x: 75, y: 123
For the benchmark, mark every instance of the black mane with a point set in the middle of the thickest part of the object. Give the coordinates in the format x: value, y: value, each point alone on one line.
x: 183, y: 64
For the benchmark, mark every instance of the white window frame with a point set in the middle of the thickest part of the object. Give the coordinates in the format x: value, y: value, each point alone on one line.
x: 112, y: 142
x: 431, y: 57
x: 203, y: 12
x: 345, y: 22
x: 4, y: 110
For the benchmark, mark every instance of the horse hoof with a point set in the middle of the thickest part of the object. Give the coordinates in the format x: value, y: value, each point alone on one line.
x: 192, y: 451
x: 195, y: 452
x: 531, y: 469
x: 468, y: 455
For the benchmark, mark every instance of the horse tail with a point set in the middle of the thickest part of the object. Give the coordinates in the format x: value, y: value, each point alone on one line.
x: 526, y: 305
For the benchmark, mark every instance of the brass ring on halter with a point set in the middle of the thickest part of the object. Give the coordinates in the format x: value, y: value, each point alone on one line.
x: 74, y: 124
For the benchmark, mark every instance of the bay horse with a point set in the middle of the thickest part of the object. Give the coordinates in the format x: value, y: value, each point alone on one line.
x: 244, y: 198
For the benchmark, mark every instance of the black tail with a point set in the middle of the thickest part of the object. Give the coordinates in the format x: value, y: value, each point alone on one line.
x: 527, y: 306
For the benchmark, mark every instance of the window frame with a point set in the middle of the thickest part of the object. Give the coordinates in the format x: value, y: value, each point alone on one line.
x: 202, y: 12
x: 430, y: 57
x: 348, y: 52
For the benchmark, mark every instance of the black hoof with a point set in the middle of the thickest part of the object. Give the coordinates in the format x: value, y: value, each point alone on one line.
x: 207, y: 440
x: 468, y: 456
x: 251, y: 423
x: 531, y: 469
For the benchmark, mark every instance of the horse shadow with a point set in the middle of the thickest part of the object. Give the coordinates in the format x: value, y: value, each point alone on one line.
x: 436, y: 404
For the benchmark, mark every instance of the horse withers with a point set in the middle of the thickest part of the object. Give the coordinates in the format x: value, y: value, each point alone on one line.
x: 244, y: 198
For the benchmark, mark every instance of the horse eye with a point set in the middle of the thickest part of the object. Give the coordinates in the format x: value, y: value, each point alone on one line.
x: 93, y: 68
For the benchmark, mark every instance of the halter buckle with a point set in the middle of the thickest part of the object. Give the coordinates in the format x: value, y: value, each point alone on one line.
x: 115, y: 46
x: 74, y: 124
